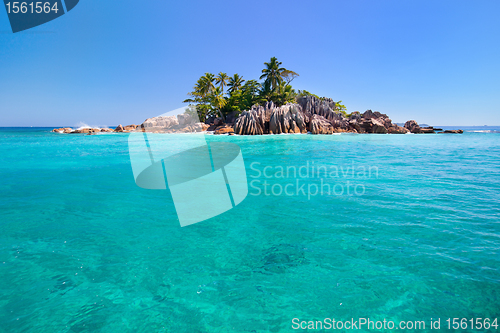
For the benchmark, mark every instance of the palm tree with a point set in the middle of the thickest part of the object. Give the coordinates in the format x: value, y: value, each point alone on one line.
x: 235, y: 83
x: 221, y: 80
x: 218, y: 100
x: 205, y: 84
x: 265, y: 91
x: 273, y: 72
x: 251, y: 87
x: 285, y: 94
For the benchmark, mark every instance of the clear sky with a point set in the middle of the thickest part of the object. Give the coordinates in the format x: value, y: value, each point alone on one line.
x: 110, y: 62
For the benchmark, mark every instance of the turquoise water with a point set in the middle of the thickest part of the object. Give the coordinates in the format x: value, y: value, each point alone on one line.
x: 83, y: 249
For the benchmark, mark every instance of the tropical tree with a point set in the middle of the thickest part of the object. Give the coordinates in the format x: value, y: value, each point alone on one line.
x: 273, y: 72
x: 341, y: 108
x: 218, y: 100
x: 235, y: 83
x: 221, y: 80
x: 286, y: 94
x: 289, y: 75
x: 266, y: 92
x: 205, y: 84
x: 251, y: 87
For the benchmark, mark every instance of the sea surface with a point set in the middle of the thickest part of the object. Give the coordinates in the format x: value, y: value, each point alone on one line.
x: 83, y: 249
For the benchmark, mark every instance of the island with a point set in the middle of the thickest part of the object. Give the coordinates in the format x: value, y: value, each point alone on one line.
x: 268, y: 107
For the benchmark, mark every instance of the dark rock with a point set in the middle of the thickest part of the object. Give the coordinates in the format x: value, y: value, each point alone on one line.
x: 231, y: 117
x: 210, y: 120
x: 373, y: 125
x: 396, y: 129
x: 224, y: 130
x: 427, y: 130
x: 452, y: 132
x: 412, y: 125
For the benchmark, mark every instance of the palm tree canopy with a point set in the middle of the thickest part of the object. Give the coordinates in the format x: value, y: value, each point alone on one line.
x: 205, y: 84
x: 221, y: 80
x: 273, y: 72
x: 235, y: 82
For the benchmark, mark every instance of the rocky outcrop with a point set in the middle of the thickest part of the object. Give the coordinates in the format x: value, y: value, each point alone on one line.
x: 324, y: 107
x: 427, y: 130
x: 396, y: 129
x: 320, y: 125
x: 373, y: 125
x: 130, y: 128
x: 85, y: 130
x: 288, y: 118
x: 63, y: 130
x: 318, y: 116
x: 249, y: 123
x: 160, y: 122
x: 412, y: 126
x: 119, y: 128
x: 254, y: 121
x: 453, y: 132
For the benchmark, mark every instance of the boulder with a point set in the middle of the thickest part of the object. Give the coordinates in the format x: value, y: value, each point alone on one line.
x: 210, y: 120
x: 183, y: 120
x: 130, y: 128
x: 224, y: 130
x: 427, y: 130
x: 160, y: 122
x: 412, y: 126
x: 85, y: 130
x: 396, y: 129
x: 107, y: 130
x: 231, y: 117
x: 199, y: 127
x: 320, y: 125
x: 373, y: 125
x: 218, y: 121
x: 119, y: 128
x: 453, y: 132
x: 65, y: 130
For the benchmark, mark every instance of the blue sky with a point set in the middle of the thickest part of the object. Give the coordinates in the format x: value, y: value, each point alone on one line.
x: 110, y: 62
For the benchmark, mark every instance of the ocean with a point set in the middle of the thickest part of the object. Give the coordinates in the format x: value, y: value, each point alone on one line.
x: 385, y: 227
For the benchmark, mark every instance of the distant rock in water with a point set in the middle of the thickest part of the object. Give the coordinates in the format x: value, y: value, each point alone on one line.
x: 412, y: 126
x: 453, y: 132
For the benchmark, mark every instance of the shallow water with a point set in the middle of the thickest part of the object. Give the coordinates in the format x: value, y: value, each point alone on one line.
x: 83, y: 249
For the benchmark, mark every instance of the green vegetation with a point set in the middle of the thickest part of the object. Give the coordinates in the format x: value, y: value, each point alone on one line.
x: 211, y: 98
